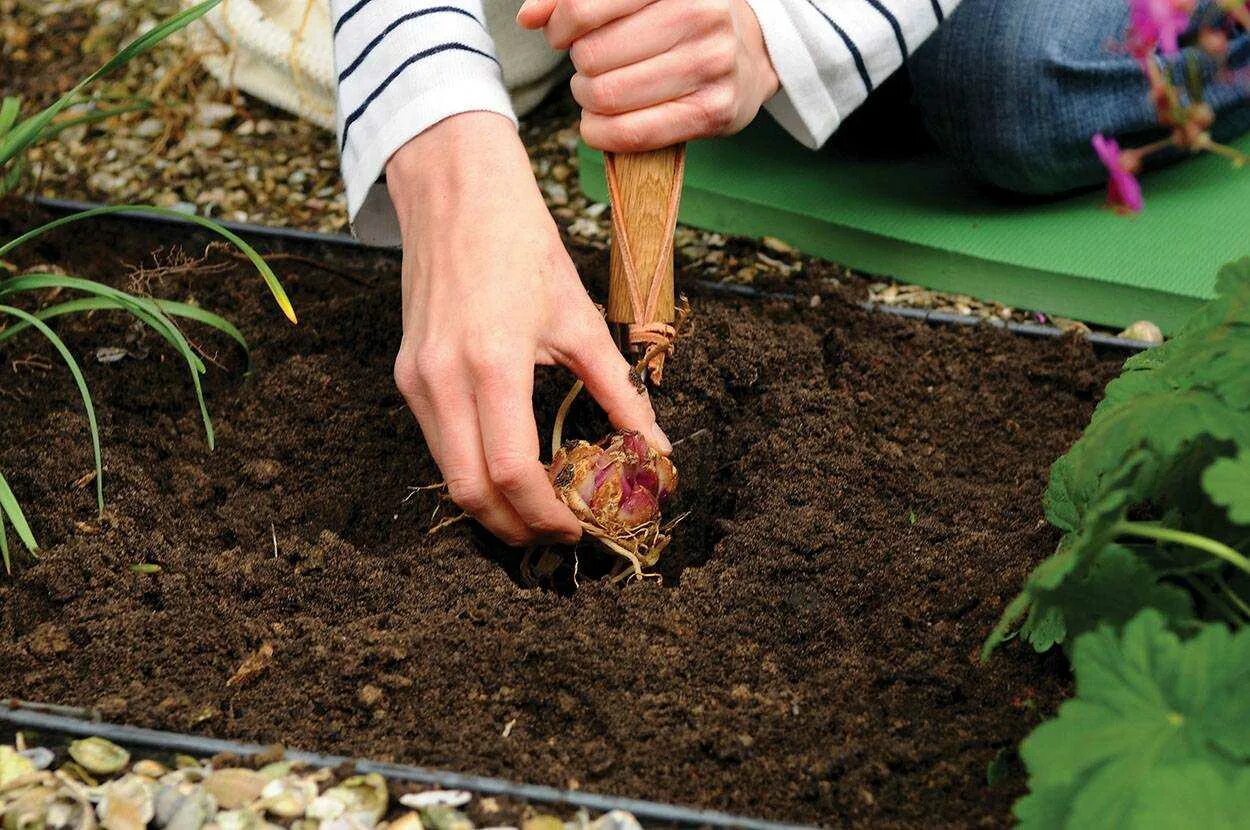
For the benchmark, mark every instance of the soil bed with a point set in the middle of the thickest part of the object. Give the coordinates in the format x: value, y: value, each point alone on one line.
x: 865, y: 495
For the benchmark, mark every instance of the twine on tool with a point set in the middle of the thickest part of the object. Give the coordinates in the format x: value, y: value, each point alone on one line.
x: 652, y: 337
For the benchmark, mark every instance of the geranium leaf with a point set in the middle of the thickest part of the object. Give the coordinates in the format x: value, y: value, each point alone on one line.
x: 1116, y: 585
x: 1144, y: 701
x: 1227, y: 482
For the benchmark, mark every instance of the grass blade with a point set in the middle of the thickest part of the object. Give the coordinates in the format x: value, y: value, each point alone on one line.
x: 146, y: 310
x: 9, y: 108
x: 81, y: 382
x: 4, y: 545
x: 9, y: 506
x: 271, y: 279
x: 93, y: 116
x: 25, y: 133
x: 170, y: 307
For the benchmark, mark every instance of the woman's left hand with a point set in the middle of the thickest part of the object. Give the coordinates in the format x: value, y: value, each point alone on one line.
x: 651, y: 73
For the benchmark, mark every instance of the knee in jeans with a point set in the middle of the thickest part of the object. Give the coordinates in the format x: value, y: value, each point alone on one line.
x: 997, y: 106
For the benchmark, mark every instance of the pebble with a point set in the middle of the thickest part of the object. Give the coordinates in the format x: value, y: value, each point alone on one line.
x: 206, y: 138
x: 1145, y: 331
x: 213, y: 113
x: 449, y: 798
x: 149, y: 128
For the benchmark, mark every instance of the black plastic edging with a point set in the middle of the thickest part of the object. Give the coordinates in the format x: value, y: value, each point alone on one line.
x: 746, y: 291
x: 53, y: 718
x: 297, y: 234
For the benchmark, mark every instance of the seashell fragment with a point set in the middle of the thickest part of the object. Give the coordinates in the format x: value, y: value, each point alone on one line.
x: 288, y: 797
x: 39, y: 756
x: 13, y: 765
x: 193, y: 811
x: 451, y: 798
x: 276, y: 770
x: 149, y: 768
x: 126, y: 804
x: 69, y: 811
x: 408, y: 821
x: 616, y: 820
x: 544, y: 822
x: 235, y: 787
x: 442, y: 817
x: 26, y: 807
x: 364, y: 799
x: 99, y: 756
x: 325, y: 808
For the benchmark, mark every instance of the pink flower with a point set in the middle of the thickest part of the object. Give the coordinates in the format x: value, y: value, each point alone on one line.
x: 1123, y: 189
x: 1157, y: 24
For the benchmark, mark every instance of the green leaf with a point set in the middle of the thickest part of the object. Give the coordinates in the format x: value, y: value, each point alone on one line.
x: 1111, y: 590
x: 146, y: 310
x: 9, y: 107
x: 170, y: 307
x: 83, y: 391
x: 10, y: 507
x: 266, y: 273
x: 1144, y: 701
x: 1227, y: 482
x: 1192, y: 794
x: 27, y: 132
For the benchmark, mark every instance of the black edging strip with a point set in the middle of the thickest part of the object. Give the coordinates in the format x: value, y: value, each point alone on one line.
x: 39, y: 717
x: 746, y: 291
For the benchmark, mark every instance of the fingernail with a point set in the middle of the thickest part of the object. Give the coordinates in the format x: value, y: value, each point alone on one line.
x: 527, y: 4
x: 662, y: 441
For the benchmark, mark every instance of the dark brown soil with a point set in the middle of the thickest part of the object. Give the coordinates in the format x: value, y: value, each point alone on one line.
x: 864, y: 500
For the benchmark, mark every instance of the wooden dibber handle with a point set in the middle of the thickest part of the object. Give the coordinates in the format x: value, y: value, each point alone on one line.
x: 645, y: 190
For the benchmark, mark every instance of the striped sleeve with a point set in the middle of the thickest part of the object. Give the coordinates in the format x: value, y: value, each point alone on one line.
x: 830, y: 54
x: 403, y: 66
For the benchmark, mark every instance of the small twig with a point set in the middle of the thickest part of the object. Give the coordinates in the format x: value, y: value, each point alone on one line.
x: 697, y: 433
x: 446, y: 523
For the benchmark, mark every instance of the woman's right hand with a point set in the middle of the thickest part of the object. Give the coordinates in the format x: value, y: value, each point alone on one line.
x: 488, y: 292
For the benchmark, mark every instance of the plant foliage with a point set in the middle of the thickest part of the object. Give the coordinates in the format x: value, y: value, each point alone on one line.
x: 1149, y: 591
x: 16, y: 137
x: 1156, y: 721
x: 1154, y: 495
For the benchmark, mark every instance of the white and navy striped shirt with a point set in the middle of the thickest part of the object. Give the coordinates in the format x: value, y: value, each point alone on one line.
x: 405, y: 65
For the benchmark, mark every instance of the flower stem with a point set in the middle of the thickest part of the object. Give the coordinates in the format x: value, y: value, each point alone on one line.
x: 1232, y: 595
x: 1214, y: 601
x: 1145, y: 530
x: 1234, y: 155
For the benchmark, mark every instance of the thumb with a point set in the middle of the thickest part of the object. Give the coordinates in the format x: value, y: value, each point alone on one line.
x: 534, y: 14
x: 594, y: 358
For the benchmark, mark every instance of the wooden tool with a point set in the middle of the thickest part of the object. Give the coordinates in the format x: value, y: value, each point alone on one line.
x: 646, y: 190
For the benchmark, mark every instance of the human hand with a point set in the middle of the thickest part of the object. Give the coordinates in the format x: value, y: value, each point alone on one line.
x: 488, y: 292
x: 651, y: 73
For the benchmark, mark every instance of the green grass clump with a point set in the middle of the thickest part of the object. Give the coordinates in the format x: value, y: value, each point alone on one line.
x: 16, y: 138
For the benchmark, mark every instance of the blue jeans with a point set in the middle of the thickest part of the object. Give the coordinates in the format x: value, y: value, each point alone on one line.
x: 1012, y: 90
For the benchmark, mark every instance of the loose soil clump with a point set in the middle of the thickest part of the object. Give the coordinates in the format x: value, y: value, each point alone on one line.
x: 864, y: 496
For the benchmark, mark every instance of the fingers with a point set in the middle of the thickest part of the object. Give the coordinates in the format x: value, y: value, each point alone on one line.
x: 510, y: 440
x: 444, y: 408
x: 652, y: 31
x: 572, y: 19
x: 640, y: 85
x: 535, y: 13
x: 593, y: 356
x: 708, y: 112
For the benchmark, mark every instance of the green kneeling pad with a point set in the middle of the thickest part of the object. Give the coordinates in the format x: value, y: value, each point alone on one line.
x: 916, y: 219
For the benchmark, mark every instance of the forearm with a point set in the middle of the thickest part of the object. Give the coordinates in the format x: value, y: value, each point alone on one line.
x: 830, y: 56
x: 404, y: 66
